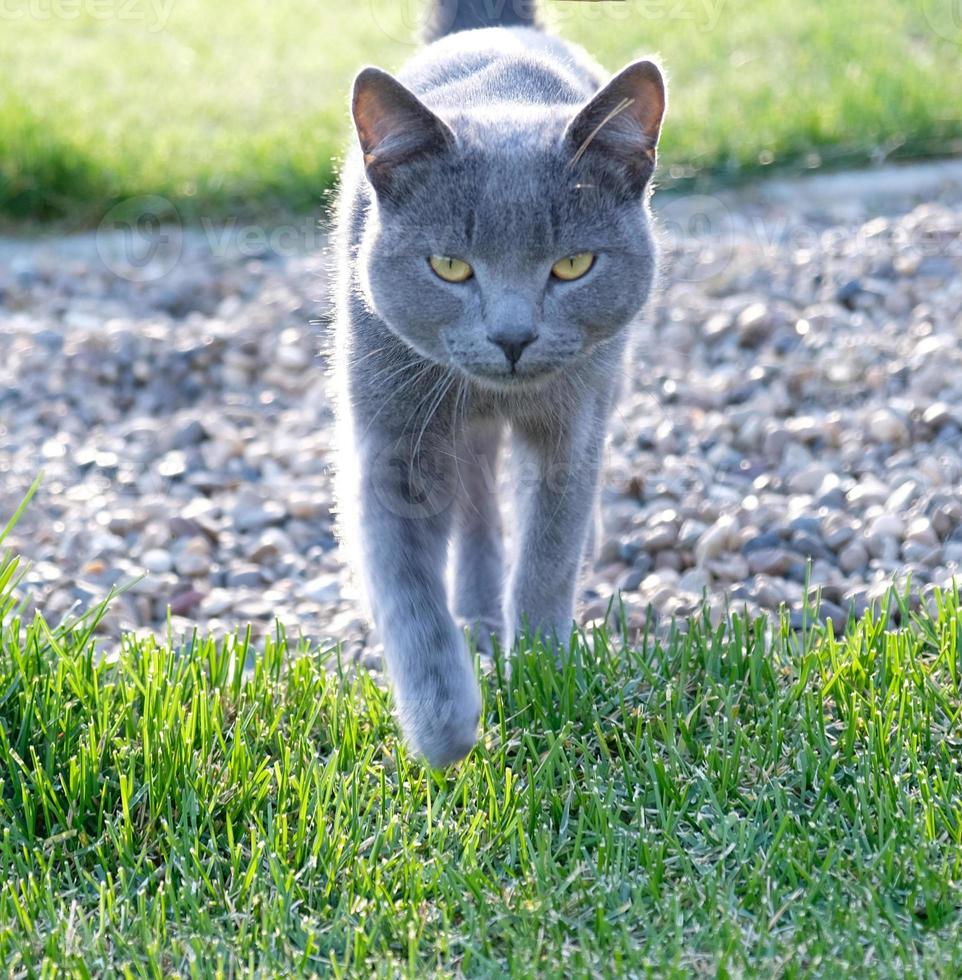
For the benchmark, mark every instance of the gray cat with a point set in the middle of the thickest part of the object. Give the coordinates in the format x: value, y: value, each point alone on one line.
x: 493, y: 250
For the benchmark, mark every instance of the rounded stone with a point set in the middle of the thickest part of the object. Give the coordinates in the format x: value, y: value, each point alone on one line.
x: 157, y: 561
x: 885, y: 426
x: 852, y: 558
x: 715, y: 539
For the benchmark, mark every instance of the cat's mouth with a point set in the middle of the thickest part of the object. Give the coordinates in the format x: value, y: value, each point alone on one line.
x: 517, y: 378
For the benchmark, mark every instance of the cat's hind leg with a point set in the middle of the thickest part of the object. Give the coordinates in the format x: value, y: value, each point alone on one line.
x: 478, y: 552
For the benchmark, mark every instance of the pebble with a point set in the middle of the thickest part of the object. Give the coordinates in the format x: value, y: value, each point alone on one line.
x: 809, y: 526
x: 887, y: 526
x: 660, y: 537
x: 886, y: 426
x: 838, y: 531
x: 730, y: 568
x: 157, y: 560
x: 244, y: 576
x: 868, y: 491
x: 754, y: 324
x: 325, y: 588
x: 188, y: 434
x: 689, y: 533
x: 306, y: 506
x: 269, y: 546
x: 762, y: 542
x: 293, y: 358
x: 770, y: 561
x: 695, y: 581
x: 920, y: 531
x: 852, y: 558
x: 937, y: 415
x: 715, y: 539
x: 254, y: 518
x: 184, y: 603
x: 630, y: 580
x: 194, y: 560
x: 217, y: 602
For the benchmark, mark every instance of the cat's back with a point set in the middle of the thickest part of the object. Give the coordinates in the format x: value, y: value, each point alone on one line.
x: 479, y: 68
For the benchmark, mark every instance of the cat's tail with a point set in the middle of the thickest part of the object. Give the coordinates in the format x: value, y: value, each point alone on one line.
x: 448, y: 16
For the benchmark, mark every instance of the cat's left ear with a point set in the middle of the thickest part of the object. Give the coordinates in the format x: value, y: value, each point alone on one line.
x: 394, y: 127
x: 623, y: 122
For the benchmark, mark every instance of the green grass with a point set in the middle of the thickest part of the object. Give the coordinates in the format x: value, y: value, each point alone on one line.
x: 238, y: 108
x: 717, y: 803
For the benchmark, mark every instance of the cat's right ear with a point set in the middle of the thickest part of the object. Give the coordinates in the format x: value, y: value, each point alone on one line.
x: 622, y: 122
x: 393, y: 126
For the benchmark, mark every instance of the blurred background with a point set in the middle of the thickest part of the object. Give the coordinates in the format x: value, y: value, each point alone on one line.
x: 233, y: 107
x: 794, y: 420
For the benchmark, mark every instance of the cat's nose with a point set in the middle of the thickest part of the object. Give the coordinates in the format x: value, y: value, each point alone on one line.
x: 513, y: 342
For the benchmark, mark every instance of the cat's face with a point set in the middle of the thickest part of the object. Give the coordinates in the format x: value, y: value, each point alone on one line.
x: 496, y: 249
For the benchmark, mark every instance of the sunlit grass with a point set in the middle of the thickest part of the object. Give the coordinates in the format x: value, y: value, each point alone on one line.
x: 240, y: 108
x: 727, y: 801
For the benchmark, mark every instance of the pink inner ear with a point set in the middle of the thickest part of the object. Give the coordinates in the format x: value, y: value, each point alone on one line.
x: 619, y: 128
x: 377, y: 110
x: 624, y: 118
x: 392, y: 124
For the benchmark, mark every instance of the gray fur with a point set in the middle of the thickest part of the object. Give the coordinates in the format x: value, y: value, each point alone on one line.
x: 479, y: 166
x: 450, y: 16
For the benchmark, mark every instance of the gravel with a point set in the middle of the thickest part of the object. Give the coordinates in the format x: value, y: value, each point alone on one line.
x: 793, y: 421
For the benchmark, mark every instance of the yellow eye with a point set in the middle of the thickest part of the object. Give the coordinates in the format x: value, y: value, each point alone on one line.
x: 573, y: 267
x: 450, y: 270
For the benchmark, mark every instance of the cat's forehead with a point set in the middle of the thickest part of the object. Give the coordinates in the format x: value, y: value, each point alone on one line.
x: 511, y: 138
x: 514, y: 187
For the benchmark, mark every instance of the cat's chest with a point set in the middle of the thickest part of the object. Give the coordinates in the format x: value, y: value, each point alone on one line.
x: 523, y: 405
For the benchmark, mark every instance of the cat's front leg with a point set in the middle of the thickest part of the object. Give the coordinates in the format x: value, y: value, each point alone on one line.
x: 557, y: 487
x: 405, y: 519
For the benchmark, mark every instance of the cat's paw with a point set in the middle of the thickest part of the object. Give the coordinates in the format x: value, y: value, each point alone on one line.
x: 440, y: 717
x: 481, y: 635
